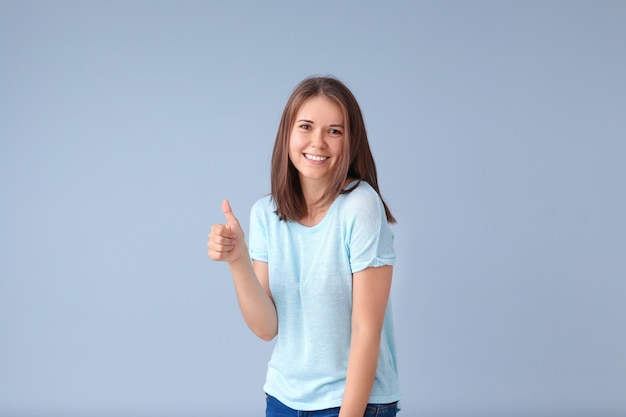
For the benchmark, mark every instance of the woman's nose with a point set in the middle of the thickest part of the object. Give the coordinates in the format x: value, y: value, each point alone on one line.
x: 318, y: 141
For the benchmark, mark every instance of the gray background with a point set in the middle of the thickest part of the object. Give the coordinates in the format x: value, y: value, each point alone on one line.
x: 499, y: 130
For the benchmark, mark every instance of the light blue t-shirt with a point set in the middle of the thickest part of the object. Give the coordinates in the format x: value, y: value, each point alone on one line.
x: 310, y: 275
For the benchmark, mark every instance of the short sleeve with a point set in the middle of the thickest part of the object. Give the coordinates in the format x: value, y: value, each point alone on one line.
x: 369, y: 238
x: 257, y: 237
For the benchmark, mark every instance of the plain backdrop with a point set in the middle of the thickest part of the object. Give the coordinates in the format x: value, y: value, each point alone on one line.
x: 499, y: 132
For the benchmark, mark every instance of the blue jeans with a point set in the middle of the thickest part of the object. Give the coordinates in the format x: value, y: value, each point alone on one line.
x: 275, y: 408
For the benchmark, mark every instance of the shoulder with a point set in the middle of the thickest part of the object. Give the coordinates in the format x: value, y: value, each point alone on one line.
x: 363, y: 201
x: 263, y: 209
x: 263, y: 204
x: 363, y: 196
x: 364, y: 189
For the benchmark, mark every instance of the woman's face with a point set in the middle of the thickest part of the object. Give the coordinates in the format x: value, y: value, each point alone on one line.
x: 316, y: 141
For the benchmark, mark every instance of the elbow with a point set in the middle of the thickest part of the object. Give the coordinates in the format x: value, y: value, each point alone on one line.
x: 265, y: 332
x: 266, y: 336
x: 265, y: 327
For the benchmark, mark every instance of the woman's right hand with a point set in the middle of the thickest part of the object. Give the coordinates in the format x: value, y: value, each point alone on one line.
x: 226, y: 241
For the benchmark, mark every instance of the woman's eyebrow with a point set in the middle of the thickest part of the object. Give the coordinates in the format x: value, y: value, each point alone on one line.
x: 312, y: 122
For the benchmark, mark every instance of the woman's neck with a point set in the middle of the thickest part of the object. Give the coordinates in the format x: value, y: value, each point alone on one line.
x: 313, y: 191
x: 316, y: 208
x: 314, y: 215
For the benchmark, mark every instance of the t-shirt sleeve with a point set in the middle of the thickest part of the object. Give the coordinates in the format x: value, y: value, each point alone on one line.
x: 370, y: 239
x: 257, y: 237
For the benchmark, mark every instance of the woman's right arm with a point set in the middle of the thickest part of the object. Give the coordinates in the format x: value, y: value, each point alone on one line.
x: 227, y: 243
x: 257, y: 306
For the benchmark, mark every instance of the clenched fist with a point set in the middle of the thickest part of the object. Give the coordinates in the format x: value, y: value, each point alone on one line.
x: 226, y: 241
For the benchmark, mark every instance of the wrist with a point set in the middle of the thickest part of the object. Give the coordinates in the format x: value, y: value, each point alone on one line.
x: 242, y: 261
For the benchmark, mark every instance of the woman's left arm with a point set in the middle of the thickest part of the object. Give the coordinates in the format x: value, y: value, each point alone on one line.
x: 370, y: 294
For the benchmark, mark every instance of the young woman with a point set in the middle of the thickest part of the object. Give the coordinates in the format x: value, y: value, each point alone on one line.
x: 318, y: 270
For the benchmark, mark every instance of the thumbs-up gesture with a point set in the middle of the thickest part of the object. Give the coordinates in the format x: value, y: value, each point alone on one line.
x: 226, y: 240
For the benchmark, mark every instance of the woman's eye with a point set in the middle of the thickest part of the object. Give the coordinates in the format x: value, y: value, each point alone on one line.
x: 335, y: 132
x: 305, y: 126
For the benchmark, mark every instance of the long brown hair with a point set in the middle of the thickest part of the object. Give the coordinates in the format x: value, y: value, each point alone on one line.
x: 356, y: 161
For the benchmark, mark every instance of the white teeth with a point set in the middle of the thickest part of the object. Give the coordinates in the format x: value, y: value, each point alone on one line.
x: 315, y: 157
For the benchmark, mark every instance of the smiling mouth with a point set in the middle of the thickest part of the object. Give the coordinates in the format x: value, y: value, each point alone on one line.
x: 316, y: 158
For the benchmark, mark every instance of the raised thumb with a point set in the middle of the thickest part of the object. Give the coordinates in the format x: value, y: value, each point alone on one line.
x: 228, y: 213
